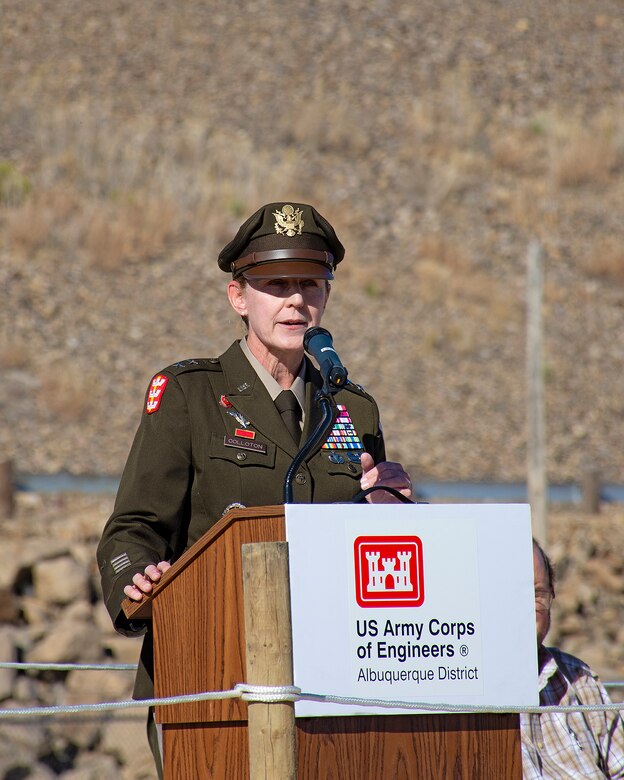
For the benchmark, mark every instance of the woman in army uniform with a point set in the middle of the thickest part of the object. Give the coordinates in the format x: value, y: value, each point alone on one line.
x: 215, y: 432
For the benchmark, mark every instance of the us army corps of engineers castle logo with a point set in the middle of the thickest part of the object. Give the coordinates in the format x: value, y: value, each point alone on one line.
x: 389, y: 571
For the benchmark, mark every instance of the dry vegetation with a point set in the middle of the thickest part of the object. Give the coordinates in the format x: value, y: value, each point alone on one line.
x: 114, y: 195
x: 118, y: 193
x: 439, y: 145
x: 606, y: 260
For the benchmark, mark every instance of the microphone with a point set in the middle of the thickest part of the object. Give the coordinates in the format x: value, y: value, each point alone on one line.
x: 317, y: 342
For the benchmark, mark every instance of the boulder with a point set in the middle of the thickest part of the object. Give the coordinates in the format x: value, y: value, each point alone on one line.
x: 93, y: 766
x: 21, y: 741
x: 35, y: 611
x: 9, y: 607
x: 124, y: 737
x: 85, y: 686
x: 60, y: 580
x: 67, y: 642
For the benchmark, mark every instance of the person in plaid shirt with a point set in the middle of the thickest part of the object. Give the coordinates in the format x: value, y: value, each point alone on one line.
x: 567, y: 745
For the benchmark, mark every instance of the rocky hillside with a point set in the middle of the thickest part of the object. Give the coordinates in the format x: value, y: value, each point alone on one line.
x: 51, y: 612
x: 439, y: 138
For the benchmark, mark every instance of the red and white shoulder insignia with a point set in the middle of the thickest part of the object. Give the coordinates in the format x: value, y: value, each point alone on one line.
x: 155, y: 393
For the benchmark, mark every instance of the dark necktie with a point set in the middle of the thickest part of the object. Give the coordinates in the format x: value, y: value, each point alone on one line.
x: 288, y: 406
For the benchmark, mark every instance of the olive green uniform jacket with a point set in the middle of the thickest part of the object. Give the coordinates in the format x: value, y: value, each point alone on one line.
x: 188, y: 464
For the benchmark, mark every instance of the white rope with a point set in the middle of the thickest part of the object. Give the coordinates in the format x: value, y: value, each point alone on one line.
x: 271, y: 695
x: 117, y: 705
x: 68, y: 667
x: 274, y: 694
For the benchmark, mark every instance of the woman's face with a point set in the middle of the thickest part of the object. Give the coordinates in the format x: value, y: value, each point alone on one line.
x: 279, y: 311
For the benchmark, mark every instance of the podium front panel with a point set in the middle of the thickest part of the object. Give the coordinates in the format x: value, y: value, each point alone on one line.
x: 400, y: 747
x: 198, y: 623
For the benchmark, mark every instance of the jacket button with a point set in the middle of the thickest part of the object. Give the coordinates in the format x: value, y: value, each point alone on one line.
x: 352, y: 468
x: 300, y: 479
x: 241, y: 456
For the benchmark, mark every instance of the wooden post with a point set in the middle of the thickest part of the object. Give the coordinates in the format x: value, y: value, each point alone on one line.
x: 536, y: 440
x: 268, y: 642
x: 590, y: 491
x: 7, y: 489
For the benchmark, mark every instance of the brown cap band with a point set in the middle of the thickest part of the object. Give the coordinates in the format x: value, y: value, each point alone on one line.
x: 309, y: 256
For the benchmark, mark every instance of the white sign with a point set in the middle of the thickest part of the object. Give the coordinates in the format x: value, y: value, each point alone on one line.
x: 419, y: 603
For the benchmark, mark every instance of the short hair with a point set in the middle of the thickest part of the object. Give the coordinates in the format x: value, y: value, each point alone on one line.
x: 550, y: 569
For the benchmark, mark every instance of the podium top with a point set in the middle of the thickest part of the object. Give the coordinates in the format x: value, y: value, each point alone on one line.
x: 142, y: 610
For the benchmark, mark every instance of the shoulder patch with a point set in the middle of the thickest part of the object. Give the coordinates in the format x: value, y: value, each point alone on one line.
x: 155, y: 393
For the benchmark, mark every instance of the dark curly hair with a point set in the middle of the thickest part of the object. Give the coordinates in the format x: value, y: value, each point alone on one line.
x: 550, y: 570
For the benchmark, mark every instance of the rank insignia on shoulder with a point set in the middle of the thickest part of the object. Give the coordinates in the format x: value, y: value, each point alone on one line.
x: 155, y: 393
x: 343, y: 435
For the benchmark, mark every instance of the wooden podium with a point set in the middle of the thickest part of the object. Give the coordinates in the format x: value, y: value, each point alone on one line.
x: 199, y: 645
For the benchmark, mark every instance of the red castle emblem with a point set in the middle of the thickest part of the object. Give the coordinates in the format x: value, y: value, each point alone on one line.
x: 389, y: 571
x: 155, y: 393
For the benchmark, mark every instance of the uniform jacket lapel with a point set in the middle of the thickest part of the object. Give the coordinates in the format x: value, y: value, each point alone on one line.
x: 250, y: 397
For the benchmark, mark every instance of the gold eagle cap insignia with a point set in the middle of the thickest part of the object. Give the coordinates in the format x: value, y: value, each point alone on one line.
x: 289, y: 221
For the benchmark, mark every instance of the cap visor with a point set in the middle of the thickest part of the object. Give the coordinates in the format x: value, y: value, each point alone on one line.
x: 293, y: 269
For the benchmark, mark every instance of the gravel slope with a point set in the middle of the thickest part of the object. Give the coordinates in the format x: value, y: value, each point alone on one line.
x: 434, y: 135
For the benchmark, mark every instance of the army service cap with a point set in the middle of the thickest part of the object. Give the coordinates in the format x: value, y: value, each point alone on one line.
x: 290, y: 240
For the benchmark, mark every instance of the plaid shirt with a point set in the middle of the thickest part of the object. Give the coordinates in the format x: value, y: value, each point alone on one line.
x: 578, y: 745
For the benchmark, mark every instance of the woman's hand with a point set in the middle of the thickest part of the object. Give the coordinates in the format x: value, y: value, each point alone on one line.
x: 144, y: 583
x: 386, y: 473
